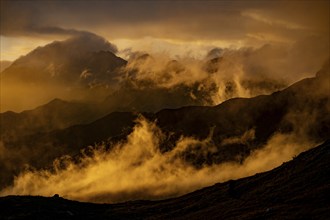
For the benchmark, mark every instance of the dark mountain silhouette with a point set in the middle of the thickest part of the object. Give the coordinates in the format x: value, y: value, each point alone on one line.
x: 57, y: 143
x: 279, y: 112
x: 301, y: 109
x: 83, y: 60
x: 298, y: 189
x: 152, y: 98
x: 83, y: 67
x: 57, y: 114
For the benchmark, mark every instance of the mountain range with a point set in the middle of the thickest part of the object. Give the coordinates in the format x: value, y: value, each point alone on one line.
x: 63, y: 128
x: 85, y: 68
x: 95, y: 98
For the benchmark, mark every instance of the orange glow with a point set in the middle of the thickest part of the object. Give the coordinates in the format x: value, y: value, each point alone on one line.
x: 14, y: 47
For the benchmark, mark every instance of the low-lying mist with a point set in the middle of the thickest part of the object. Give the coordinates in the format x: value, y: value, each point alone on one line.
x: 95, y: 74
x: 136, y: 169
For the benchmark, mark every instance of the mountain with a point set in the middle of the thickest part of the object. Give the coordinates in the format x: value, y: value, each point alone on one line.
x: 84, y: 59
x: 4, y: 64
x: 83, y: 67
x: 152, y: 83
x: 57, y: 114
x: 235, y: 128
x: 152, y: 98
x: 33, y: 141
x: 298, y: 189
x: 266, y: 114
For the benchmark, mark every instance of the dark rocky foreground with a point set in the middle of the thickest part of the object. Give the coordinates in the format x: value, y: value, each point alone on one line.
x: 298, y: 189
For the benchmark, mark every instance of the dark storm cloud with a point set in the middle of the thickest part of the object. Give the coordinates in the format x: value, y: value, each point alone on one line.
x: 35, y: 17
x: 166, y: 19
x: 26, y: 18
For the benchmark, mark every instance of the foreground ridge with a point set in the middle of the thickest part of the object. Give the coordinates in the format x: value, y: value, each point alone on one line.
x: 296, y: 189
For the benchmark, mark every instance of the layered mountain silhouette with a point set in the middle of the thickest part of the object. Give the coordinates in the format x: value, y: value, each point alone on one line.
x: 298, y: 189
x: 102, y: 98
x: 57, y: 114
x: 261, y: 117
x: 85, y: 68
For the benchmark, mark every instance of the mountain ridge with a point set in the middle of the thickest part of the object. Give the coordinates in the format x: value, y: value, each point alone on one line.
x: 296, y: 189
x: 233, y: 118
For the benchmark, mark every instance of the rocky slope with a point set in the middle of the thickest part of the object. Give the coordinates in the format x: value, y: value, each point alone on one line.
x: 298, y: 189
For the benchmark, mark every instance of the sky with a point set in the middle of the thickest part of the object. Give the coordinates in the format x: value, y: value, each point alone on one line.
x: 178, y: 27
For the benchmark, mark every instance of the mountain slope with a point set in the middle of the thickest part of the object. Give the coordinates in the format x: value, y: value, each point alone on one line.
x: 4, y: 64
x: 235, y: 128
x: 83, y: 67
x: 279, y: 112
x: 39, y: 148
x: 57, y: 114
x: 297, y: 189
x: 80, y: 59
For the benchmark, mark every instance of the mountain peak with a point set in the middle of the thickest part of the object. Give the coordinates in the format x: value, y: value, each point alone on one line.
x: 89, y: 42
x: 64, y: 61
x: 76, y: 45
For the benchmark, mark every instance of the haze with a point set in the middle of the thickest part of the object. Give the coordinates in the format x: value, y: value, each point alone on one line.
x: 175, y: 27
x: 110, y: 101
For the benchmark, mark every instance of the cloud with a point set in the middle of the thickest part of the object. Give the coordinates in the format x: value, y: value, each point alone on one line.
x: 176, y: 27
x: 136, y: 169
x: 290, y: 40
x: 226, y: 73
x: 148, y: 82
x: 185, y: 20
x: 264, y: 19
x: 89, y: 42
